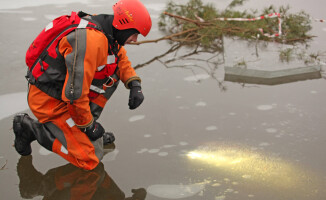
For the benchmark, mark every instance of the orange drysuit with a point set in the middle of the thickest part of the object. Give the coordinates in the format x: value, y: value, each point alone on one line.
x: 85, y: 53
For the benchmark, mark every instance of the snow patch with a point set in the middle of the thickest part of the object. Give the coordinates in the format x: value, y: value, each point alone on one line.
x: 271, y: 130
x: 201, y: 103
x: 136, y: 118
x: 265, y: 107
x: 169, y: 146
x: 153, y: 150
x: 211, y: 128
x: 27, y: 19
x: 264, y: 144
x: 183, y: 143
x: 197, y: 77
x: 163, y: 154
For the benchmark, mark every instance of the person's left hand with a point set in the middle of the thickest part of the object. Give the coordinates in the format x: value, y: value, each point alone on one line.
x: 136, y: 96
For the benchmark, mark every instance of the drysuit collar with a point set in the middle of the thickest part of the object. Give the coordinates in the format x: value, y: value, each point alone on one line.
x: 105, y: 21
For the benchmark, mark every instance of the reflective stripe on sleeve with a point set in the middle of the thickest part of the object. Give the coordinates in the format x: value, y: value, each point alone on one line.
x: 96, y: 89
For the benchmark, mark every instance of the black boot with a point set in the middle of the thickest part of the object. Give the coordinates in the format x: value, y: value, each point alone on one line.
x: 108, y: 138
x: 23, y: 134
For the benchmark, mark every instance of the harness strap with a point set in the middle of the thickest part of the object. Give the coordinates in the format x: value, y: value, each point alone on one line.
x: 106, y: 81
x: 96, y: 89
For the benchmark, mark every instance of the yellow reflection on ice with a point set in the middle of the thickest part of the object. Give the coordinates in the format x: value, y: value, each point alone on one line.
x: 249, y: 165
x: 217, y: 158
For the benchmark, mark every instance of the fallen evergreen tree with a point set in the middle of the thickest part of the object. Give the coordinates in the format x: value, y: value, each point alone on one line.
x: 197, y: 23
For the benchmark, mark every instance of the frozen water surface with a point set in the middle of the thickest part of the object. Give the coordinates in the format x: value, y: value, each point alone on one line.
x: 142, y: 151
x: 155, y: 6
x: 12, y: 103
x: 35, y: 3
x: 196, y: 136
x: 28, y: 19
x: 265, y: 107
x: 175, y: 191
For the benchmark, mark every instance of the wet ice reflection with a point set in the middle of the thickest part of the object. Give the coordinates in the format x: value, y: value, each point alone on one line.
x: 175, y: 191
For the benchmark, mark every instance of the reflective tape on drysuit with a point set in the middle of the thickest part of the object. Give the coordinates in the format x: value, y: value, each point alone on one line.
x: 67, y: 140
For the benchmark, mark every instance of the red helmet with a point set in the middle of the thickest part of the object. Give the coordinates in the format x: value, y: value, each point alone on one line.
x: 131, y: 14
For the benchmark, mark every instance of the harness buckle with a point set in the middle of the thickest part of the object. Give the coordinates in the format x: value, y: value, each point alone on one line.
x: 108, y: 82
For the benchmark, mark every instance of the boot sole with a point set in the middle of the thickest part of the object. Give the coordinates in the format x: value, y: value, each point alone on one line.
x: 18, y: 131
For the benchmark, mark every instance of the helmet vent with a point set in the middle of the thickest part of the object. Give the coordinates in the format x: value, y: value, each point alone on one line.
x: 123, y: 21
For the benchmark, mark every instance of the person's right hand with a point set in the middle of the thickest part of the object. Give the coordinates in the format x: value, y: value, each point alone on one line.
x: 94, y: 131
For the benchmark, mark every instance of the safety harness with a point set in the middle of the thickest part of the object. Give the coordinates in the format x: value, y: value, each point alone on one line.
x: 46, y: 66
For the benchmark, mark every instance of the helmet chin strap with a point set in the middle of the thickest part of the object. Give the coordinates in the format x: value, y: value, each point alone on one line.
x: 122, y: 35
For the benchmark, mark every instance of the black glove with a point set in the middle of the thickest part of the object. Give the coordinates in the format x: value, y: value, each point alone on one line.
x: 94, y: 131
x: 136, y: 96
